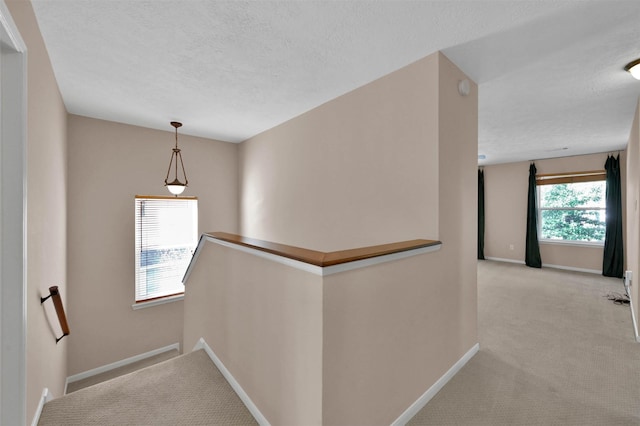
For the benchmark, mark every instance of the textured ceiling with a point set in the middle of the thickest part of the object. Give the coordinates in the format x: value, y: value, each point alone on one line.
x: 550, y: 72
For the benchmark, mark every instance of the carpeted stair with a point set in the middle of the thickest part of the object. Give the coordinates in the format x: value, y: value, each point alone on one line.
x: 185, y: 390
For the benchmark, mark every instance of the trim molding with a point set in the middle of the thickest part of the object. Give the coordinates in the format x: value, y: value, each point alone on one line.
x: 546, y: 265
x: 307, y: 267
x: 571, y: 268
x: 6, y: 21
x: 500, y: 259
x: 255, y: 412
x: 46, y: 397
x: 194, y: 258
x: 587, y: 244
x: 316, y: 270
x: 413, y: 409
x: 635, y: 323
x: 13, y: 227
x: 156, y: 302
x: 343, y: 267
x: 117, y: 364
x: 321, y: 258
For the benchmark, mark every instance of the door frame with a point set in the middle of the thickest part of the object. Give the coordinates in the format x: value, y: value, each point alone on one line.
x: 13, y: 259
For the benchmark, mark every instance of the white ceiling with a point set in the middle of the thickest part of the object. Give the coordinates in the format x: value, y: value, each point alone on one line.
x: 549, y: 72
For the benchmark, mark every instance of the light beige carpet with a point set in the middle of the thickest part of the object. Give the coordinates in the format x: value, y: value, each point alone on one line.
x: 187, y: 390
x: 121, y: 371
x: 553, y: 351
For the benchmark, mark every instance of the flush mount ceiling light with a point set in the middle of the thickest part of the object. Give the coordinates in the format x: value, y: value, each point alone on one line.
x: 176, y: 187
x: 634, y: 68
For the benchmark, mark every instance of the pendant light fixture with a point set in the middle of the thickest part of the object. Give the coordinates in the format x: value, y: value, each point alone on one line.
x: 176, y: 187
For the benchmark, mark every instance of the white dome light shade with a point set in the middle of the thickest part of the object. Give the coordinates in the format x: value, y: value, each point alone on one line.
x: 634, y: 68
x: 176, y: 189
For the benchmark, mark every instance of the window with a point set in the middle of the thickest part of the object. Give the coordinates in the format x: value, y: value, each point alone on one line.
x: 166, y: 235
x: 572, y: 207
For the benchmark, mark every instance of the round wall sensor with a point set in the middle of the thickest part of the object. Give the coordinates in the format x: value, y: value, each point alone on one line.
x: 464, y: 88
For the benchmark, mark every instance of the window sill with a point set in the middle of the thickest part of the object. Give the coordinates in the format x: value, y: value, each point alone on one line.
x: 596, y: 244
x: 157, y: 302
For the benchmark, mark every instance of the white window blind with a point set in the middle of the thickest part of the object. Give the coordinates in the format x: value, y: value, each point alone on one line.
x: 166, y: 235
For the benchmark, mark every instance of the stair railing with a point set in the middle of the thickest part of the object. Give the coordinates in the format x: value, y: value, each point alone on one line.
x: 54, y: 294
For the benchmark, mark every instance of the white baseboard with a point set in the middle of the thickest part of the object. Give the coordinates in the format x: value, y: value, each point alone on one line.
x: 260, y: 418
x: 118, y: 364
x: 547, y: 265
x: 500, y: 259
x: 635, y: 323
x: 46, y: 397
x: 435, y: 388
x: 571, y: 268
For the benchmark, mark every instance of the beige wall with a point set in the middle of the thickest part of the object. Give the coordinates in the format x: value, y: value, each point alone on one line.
x: 264, y: 321
x: 359, y: 170
x: 46, y: 212
x: 393, y: 160
x: 458, y: 200
x: 632, y: 235
x: 109, y: 163
x: 505, y: 203
x: 506, y: 212
x: 388, y: 337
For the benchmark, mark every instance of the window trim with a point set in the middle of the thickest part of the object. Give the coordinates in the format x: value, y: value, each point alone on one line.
x: 570, y: 177
x: 157, y: 301
x: 552, y: 241
x: 160, y: 300
x: 567, y: 178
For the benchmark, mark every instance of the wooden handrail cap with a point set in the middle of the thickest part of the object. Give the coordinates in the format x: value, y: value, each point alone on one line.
x: 319, y: 258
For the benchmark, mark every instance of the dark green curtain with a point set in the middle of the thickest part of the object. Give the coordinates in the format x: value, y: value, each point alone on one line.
x: 532, y: 249
x: 613, y: 260
x: 480, y: 214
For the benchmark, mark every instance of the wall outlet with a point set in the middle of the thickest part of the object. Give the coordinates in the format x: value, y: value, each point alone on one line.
x: 511, y: 247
